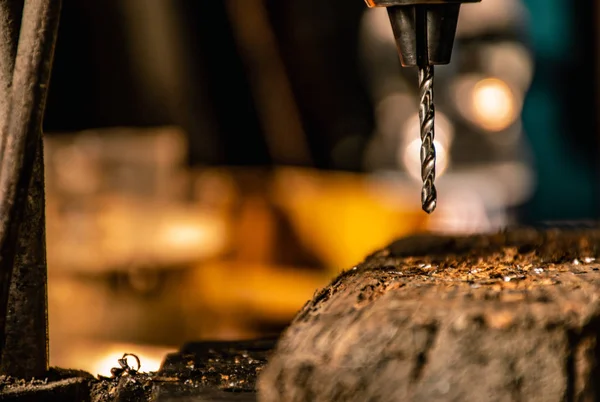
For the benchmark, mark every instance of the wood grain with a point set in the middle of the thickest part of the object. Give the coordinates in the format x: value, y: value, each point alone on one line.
x: 507, y: 317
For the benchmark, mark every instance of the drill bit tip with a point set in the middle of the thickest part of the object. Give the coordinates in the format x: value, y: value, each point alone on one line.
x: 427, y: 119
x: 428, y: 198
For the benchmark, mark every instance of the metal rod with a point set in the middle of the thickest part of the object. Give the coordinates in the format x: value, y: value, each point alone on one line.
x: 10, y: 23
x: 25, y: 352
x: 22, y: 240
x: 26, y: 347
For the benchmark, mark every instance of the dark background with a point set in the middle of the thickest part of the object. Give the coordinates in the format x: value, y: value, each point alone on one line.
x: 93, y: 86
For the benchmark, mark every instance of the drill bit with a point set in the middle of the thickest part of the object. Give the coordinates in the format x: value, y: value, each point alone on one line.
x: 427, y: 117
x: 424, y: 31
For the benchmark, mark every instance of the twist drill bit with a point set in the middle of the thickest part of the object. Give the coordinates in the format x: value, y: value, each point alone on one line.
x: 427, y: 118
x: 424, y: 31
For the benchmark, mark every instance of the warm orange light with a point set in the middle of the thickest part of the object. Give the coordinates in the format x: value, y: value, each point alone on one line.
x: 97, y: 357
x: 189, y: 236
x: 185, y: 235
x: 494, y: 104
x: 149, y: 361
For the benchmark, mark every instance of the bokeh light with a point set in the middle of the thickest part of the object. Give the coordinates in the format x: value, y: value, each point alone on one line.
x: 408, y: 154
x: 494, y: 106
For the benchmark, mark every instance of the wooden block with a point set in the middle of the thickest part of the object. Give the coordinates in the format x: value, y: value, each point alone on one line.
x: 508, y: 317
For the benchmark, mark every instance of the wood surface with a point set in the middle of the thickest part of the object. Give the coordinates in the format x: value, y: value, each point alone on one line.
x: 512, y: 316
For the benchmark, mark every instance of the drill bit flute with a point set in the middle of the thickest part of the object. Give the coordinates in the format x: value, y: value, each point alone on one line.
x: 424, y: 31
x: 427, y: 118
x: 426, y: 115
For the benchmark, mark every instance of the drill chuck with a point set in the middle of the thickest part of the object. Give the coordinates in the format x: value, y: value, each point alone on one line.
x: 424, y: 29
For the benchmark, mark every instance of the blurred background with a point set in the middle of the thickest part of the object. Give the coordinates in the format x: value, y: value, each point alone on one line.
x: 211, y: 164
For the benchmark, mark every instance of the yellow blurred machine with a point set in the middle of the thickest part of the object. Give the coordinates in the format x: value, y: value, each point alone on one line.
x: 161, y: 254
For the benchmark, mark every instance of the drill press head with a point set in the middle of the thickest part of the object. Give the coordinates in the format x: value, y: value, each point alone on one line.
x: 424, y: 32
x: 424, y: 29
